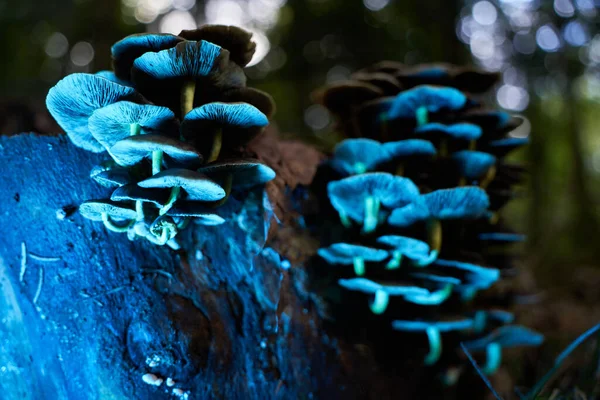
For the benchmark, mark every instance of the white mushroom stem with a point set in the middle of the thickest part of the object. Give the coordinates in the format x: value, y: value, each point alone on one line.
x: 380, y: 302
x: 152, y: 379
x: 172, y: 199
x: 371, y: 214
x: 493, y: 359
x: 396, y: 260
x: 110, y: 225
x: 359, y: 266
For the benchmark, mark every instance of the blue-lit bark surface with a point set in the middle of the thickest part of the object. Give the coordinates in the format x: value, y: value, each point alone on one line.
x: 86, y: 313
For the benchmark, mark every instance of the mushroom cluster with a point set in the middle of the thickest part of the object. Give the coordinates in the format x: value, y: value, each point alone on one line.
x: 408, y: 214
x: 174, y: 116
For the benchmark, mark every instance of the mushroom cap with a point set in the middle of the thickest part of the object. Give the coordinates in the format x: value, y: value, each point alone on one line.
x: 218, y: 114
x: 473, y: 276
x: 93, y: 209
x: 492, y: 120
x: 110, y: 75
x: 409, y: 148
x: 473, y: 164
x: 112, y: 123
x: 342, y: 97
x: 246, y: 172
x: 202, y: 214
x: 442, y: 326
x: 110, y: 176
x: 442, y: 74
x: 74, y: 98
x: 412, y: 248
x: 134, y: 149
x: 411, y: 213
x: 351, y: 154
x: 502, y: 237
x: 387, y: 83
x: 344, y: 253
x: 127, y: 50
x: 502, y: 147
x: 506, y: 336
x: 370, y: 287
x: 186, y: 59
x: 457, y: 203
x: 348, y: 195
x: 259, y: 99
x: 134, y: 192
x: 463, y: 130
x: 433, y: 98
x: 197, y: 186
x: 236, y: 40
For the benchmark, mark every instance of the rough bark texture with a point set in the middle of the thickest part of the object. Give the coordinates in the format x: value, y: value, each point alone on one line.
x: 86, y: 313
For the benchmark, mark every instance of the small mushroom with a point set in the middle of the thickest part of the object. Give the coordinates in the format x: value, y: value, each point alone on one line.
x: 502, y: 147
x: 236, y: 40
x: 419, y: 102
x: 415, y: 250
x: 441, y: 135
x: 197, y: 186
x: 110, y: 175
x: 115, y: 217
x: 123, y: 119
x: 231, y: 123
x: 433, y: 329
x: 351, y: 254
x: 202, y: 215
x: 133, y: 149
x: 74, y: 98
x: 506, y: 336
x: 404, y: 150
x: 127, y: 50
x: 362, y: 197
x: 457, y: 203
x: 259, y: 99
x: 474, y: 277
x: 475, y: 166
x: 135, y: 193
x: 357, y: 156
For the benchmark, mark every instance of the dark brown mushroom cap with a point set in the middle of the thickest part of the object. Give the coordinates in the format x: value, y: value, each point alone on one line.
x: 134, y: 149
x: 127, y: 50
x: 386, y: 67
x: 236, y: 40
x: 197, y: 186
x: 246, y: 172
x: 133, y: 192
x: 386, y: 82
x: 259, y: 99
x: 340, y: 98
x: 110, y: 176
x: 202, y: 214
x: 464, y: 78
x: 93, y: 209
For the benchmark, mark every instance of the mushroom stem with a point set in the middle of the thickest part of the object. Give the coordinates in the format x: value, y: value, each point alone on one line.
x: 216, y: 145
x: 400, y: 170
x: 380, y: 302
x: 359, y: 266
x: 360, y: 168
x: 434, y: 231
x: 371, y: 214
x: 157, y: 159
x: 396, y: 260
x: 227, y: 185
x: 172, y: 199
x: 187, y: 97
x: 110, y: 225
x: 345, y: 220
x: 134, y: 129
x: 433, y: 255
x: 184, y: 223
x: 435, y: 345
x: 493, y: 359
x: 139, y: 209
x: 488, y: 177
x: 174, y: 244
x: 479, y: 321
x: 422, y: 116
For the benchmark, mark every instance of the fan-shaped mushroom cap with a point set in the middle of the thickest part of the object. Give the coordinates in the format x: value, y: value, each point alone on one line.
x: 462, y: 202
x: 442, y: 326
x: 110, y: 75
x: 387, y: 83
x: 345, y: 253
x: 128, y: 49
x: 502, y: 237
x: 236, y: 40
x: 409, y: 148
x: 473, y: 276
x: 348, y: 195
x: 246, y: 172
x: 507, y: 336
x: 201, y: 214
x: 259, y: 99
x: 414, y: 249
x: 340, y: 98
x: 356, y: 156
x: 370, y: 287
x: 464, y: 131
x: 73, y: 100
x: 112, y: 123
x: 222, y: 115
x: 473, y: 164
x: 134, y: 192
x: 405, y: 216
x: 110, y: 176
x: 134, y: 149
x: 502, y: 147
x: 197, y: 186
x: 94, y: 209
x: 433, y: 98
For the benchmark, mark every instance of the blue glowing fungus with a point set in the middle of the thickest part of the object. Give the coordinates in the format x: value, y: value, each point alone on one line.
x: 110, y: 75
x: 409, y: 148
x: 462, y: 131
x: 475, y: 165
x: 364, y: 198
x: 243, y: 172
x: 357, y: 156
x: 133, y: 149
x: 197, y: 186
x: 111, y: 175
x: 351, y: 254
x: 123, y: 119
x: 420, y: 101
x: 502, y: 237
x: 416, y: 251
x: 457, y: 203
x: 202, y: 214
x: 132, y: 192
x: 116, y: 217
x: 73, y: 100
x: 473, y: 276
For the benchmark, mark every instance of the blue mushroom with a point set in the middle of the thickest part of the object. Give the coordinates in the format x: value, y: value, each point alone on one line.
x: 433, y: 329
x: 461, y: 131
x: 473, y: 277
x: 357, y: 156
x: 351, y: 254
x: 110, y: 75
x: 420, y: 101
x: 110, y: 175
x: 506, y: 336
x: 74, y: 98
x: 502, y: 237
x: 229, y: 122
x: 415, y: 250
x: 475, y: 166
x: 123, y: 119
x: 116, y: 217
x: 502, y: 147
x: 366, y: 198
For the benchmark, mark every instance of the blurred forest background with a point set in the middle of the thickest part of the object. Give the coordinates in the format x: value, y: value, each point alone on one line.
x: 548, y: 52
